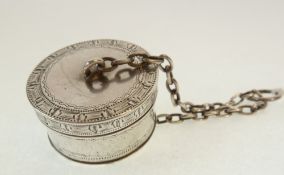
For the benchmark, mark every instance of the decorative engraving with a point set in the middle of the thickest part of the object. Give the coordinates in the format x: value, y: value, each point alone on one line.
x: 65, y: 127
x: 108, y: 148
x: 54, y: 112
x: 80, y: 117
x: 131, y: 47
x: 102, y: 128
x: 41, y: 98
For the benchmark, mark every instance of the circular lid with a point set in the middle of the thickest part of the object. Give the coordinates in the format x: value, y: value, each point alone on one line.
x: 57, y: 87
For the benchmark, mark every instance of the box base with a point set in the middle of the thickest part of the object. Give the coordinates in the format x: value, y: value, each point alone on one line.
x: 106, y: 148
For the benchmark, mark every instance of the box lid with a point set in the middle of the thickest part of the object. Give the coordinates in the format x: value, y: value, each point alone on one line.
x: 67, y: 103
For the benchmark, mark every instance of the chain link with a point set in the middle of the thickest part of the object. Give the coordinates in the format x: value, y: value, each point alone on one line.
x: 246, y: 103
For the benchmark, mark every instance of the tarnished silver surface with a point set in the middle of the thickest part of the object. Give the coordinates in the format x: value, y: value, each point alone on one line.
x: 94, y: 121
x: 96, y: 99
x: 105, y: 148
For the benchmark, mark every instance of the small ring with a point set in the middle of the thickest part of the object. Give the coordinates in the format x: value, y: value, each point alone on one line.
x: 169, y: 66
x: 111, y: 67
x: 141, y: 60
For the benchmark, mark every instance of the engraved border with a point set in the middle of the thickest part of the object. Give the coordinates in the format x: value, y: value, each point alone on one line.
x: 112, y: 157
x: 146, y: 81
x: 106, y: 127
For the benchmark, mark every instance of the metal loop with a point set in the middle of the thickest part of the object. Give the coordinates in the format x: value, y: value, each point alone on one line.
x: 188, y: 116
x: 252, y: 95
x: 92, y: 66
x: 168, y: 67
x: 174, y: 118
x: 170, y: 78
x: 217, y: 105
x: 175, y: 97
x: 200, y: 108
x: 261, y: 104
x: 174, y: 88
x: 97, y: 61
x: 231, y: 110
x: 211, y: 113
x: 223, y: 112
x: 111, y: 66
x: 153, y: 60
x: 235, y: 100
x: 120, y: 62
x: 185, y: 107
x: 137, y: 60
x: 274, y: 94
x: 200, y: 116
x: 162, y: 118
x: 247, y: 109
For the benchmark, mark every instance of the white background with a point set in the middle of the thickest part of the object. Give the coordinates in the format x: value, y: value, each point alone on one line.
x: 219, y: 48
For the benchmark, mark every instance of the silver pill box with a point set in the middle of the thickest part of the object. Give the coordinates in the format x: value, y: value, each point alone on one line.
x: 98, y: 121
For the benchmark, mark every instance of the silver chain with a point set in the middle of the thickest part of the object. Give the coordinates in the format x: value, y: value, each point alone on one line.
x: 243, y: 103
